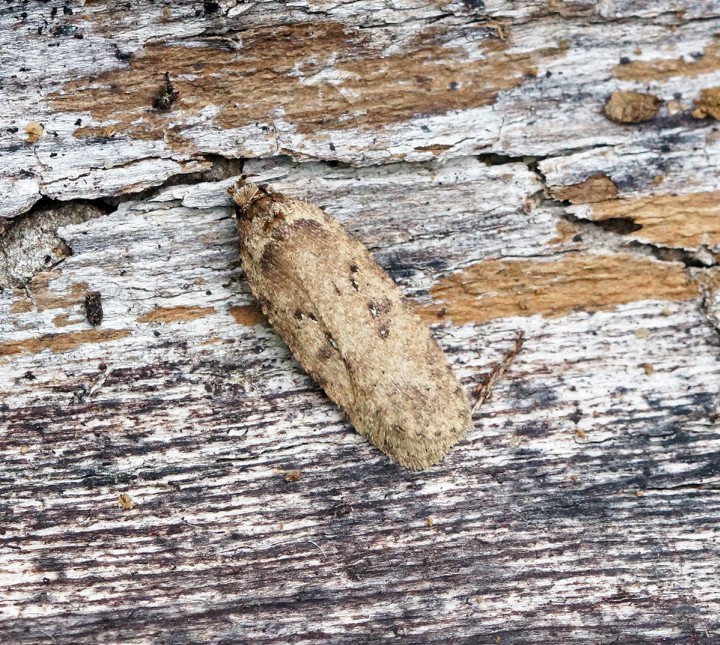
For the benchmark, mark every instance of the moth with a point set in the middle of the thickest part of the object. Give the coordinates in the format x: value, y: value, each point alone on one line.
x: 350, y: 327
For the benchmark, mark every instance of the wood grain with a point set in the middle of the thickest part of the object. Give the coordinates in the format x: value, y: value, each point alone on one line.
x: 172, y: 475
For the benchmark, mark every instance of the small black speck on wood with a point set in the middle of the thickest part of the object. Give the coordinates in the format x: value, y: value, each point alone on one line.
x: 342, y: 510
x: 167, y: 97
x: 93, y: 308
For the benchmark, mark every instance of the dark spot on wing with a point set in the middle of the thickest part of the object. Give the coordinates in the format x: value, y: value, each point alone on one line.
x: 269, y: 257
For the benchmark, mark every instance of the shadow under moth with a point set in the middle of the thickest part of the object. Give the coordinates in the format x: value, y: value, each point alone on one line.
x: 350, y: 327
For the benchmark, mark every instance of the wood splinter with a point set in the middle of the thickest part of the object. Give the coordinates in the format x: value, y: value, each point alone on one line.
x: 483, y: 391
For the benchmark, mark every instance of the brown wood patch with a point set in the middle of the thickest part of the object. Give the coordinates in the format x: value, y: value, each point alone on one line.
x: 273, y: 73
x: 597, y: 188
x: 247, y: 315
x: 680, y: 221
x: 62, y: 342
x: 575, y: 282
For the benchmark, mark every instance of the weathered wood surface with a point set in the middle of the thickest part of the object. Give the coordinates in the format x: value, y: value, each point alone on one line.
x: 465, y: 145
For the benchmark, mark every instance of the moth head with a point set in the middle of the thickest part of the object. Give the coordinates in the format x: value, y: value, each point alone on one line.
x: 258, y: 206
x: 244, y: 193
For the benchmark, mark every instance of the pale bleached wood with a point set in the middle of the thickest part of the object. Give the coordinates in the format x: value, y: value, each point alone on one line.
x: 552, y: 74
x: 583, y: 505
